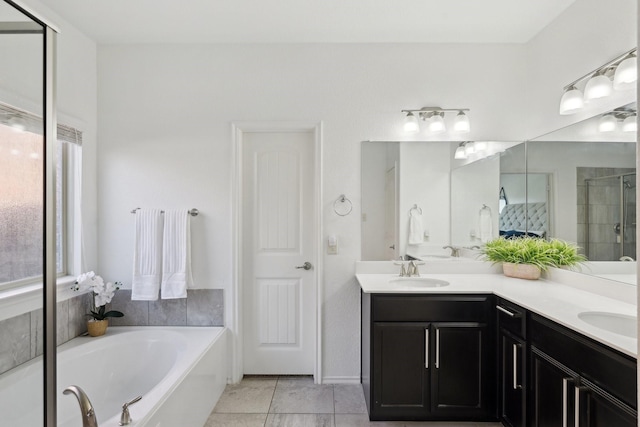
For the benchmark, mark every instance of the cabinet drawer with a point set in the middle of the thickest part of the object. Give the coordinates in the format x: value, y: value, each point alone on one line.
x: 512, y: 318
x: 436, y: 308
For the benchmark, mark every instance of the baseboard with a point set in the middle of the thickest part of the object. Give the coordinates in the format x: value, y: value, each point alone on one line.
x: 341, y: 380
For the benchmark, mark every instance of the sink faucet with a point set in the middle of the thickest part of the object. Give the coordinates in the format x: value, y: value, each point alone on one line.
x: 412, y: 270
x: 86, y: 408
x: 455, y: 251
x: 626, y: 258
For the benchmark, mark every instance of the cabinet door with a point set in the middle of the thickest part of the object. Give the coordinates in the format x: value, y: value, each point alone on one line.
x: 400, y: 370
x: 599, y: 409
x: 460, y: 378
x: 552, y: 392
x: 512, y: 380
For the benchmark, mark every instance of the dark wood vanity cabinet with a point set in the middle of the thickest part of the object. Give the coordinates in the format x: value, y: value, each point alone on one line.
x: 428, y: 357
x: 573, y: 377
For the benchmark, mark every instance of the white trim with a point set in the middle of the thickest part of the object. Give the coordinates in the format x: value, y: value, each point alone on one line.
x: 341, y: 380
x: 37, y: 15
x: 234, y: 297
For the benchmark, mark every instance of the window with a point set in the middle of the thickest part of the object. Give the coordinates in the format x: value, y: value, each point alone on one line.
x: 21, y: 201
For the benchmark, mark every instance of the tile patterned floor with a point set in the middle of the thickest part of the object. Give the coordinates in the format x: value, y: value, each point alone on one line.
x: 298, y: 402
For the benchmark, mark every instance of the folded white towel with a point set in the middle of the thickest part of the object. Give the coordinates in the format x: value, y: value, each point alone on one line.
x: 416, y: 229
x: 176, y: 254
x: 486, y: 224
x: 147, y: 256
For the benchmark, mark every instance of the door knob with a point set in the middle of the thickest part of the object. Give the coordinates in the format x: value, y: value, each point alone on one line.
x: 307, y: 266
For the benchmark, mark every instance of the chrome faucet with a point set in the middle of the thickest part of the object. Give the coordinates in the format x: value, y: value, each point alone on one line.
x: 412, y: 270
x: 86, y: 408
x: 125, y: 417
x: 455, y: 251
x: 626, y: 258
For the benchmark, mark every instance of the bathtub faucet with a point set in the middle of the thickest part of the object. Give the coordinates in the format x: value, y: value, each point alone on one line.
x: 86, y: 408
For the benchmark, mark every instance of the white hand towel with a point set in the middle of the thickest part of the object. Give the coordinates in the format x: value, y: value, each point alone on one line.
x: 176, y: 254
x: 416, y: 229
x: 147, y: 256
x: 486, y: 224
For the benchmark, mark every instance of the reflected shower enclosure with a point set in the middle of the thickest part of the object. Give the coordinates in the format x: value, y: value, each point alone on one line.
x: 607, y: 213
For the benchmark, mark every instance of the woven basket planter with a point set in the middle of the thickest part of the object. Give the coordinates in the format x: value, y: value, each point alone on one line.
x: 521, y: 271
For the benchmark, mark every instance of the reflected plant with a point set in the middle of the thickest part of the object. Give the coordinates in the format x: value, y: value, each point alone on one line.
x: 535, y: 251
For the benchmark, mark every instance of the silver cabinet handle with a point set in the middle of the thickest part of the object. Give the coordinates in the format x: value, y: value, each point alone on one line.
x: 515, y: 367
x: 577, y: 404
x: 507, y: 312
x: 426, y: 348
x: 437, y: 348
x: 307, y: 266
x: 565, y: 398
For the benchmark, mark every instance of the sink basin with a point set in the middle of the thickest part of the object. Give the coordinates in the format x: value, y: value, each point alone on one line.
x: 617, y: 323
x: 419, y: 282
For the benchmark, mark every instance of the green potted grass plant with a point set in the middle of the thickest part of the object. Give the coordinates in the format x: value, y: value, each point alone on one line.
x: 526, y: 257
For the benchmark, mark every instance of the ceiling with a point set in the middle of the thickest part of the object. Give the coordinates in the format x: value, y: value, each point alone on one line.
x: 307, y: 21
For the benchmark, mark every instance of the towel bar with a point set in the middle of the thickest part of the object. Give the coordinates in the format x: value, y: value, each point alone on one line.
x: 192, y: 212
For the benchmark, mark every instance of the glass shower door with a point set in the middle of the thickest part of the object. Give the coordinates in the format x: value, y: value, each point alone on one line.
x: 22, y: 214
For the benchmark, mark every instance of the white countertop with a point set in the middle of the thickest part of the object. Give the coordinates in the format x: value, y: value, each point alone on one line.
x: 558, y: 302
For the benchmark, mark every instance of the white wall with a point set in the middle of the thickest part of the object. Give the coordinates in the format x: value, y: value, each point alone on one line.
x: 165, y: 139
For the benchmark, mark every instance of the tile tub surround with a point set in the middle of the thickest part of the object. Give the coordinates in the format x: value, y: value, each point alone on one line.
x: 202, y: 307
x: 21, y: 337
x: 297, y: 401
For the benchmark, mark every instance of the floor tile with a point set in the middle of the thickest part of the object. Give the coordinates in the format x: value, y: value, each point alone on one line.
x: 300, y: 420
x: 251, y: 395
x: 302, y: 396
x: 236, y: 420
x: 349, y: 399
x: 362, y: 420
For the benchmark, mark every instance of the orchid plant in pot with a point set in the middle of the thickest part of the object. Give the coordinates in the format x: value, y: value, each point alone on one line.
x: 102, y: 293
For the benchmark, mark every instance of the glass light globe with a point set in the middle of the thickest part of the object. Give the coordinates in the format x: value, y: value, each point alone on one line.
x: 598, y: 86
x: 607, y: 123
x: 461, y: 123
x: 436, y: 125
x: 572, y: 101
x: 626, y: 73
x: 460, y: 154
x: 630, y: 124
x: 411, y: 123
x: 469, y: 148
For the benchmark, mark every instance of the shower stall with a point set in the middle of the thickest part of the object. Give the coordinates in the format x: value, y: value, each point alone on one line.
x: 609, y: 217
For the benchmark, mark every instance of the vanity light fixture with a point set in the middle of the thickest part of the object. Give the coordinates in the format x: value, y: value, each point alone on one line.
x: 434, y: 117
x: 469, y: 148
x: 18, y: 124
x: 609, y: 121
x: 599, y: 84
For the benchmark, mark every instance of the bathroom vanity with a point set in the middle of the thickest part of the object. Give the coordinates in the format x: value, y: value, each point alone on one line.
x: 483, y: 347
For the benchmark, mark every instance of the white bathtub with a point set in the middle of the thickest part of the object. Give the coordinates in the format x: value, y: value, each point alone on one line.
x: 179, y: 371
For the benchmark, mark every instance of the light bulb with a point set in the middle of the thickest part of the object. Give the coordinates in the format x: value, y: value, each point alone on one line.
x: 572, y: 101
x: 607, y: 123
x: 460, y: 154
x: 626, y: 73
x: 630, y: 124
x: 461, y: 123
x: 411, y: 123
x: 436, y: 124
x: 598, y: 86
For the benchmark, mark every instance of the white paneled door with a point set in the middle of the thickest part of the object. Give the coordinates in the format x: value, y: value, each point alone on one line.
x: 279, y: 289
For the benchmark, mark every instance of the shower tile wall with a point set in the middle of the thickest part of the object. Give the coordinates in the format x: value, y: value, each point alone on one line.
x: 604, y: 212
x: 21, y: 337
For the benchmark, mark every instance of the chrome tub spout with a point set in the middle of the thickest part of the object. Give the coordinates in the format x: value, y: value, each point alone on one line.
x: 86, y: 408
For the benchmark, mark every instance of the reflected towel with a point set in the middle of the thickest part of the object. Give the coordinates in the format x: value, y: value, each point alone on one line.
x: 147, y: 255
x: 416, y: 229
x: 176, y: 254
x: 486, y: 225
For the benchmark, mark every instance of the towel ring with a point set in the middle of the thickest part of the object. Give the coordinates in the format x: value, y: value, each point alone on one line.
x: 342, y: 206
x: 415, y: 208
